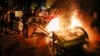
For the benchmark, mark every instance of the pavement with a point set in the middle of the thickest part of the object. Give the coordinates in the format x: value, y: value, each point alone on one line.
x: 18, y: 45
x: 37, y: 45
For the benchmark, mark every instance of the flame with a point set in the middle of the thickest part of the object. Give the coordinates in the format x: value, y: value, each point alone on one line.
x: 68, y: 32
x: 53, y: 25
x: 75, y: 20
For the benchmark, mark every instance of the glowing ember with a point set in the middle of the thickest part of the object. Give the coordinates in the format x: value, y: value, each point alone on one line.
x: 53, y: 25
x: 74, y: 21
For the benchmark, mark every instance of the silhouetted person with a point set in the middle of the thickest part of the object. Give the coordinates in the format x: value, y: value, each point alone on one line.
x: 26, y: 18
x: 12, y: 14
x: 7, y: 21
x: 25, y: 24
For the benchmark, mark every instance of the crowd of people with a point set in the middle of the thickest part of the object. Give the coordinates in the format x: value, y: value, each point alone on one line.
x: 9, y: 22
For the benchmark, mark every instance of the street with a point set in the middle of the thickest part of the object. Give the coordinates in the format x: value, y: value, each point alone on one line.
x: 18, y: 45
x: 37, y: 45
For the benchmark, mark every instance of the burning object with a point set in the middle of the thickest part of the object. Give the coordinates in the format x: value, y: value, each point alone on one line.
x: 68, y: 32
x: 69, y: 36
x: 64, y: 44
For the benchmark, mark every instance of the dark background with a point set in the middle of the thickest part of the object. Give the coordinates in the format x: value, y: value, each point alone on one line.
x: 21, y: 3
x: 85, y: 4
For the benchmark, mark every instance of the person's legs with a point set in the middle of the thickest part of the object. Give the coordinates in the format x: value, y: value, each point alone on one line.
x: 26, y: 32
x: 34, y: 29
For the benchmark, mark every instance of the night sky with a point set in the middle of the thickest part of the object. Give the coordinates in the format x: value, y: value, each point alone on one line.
x: 85, y: 4
x: 21, y: 3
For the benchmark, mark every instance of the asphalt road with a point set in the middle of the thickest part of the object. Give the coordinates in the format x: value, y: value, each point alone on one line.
x: 18, y: 45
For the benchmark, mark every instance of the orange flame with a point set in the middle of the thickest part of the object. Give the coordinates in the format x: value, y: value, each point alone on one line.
x: 53, y: 25
x: 75, y: 21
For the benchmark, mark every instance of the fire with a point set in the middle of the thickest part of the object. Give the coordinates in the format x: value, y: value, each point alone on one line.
x: 75, y: 21
x: 53, y: 25
x: 66, y: 32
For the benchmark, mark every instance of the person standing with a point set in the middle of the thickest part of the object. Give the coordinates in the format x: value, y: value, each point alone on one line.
x: 7, y: 21
x: 25, y: 24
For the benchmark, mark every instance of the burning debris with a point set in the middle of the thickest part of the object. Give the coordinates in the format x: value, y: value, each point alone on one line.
x: 75, y: 13
x: 68, y: 35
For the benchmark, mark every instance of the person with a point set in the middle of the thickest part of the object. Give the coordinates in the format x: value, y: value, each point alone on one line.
x: 12, y: 14
x: 25, y: 24
x: 7, y: 21
x: 26, y: 17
